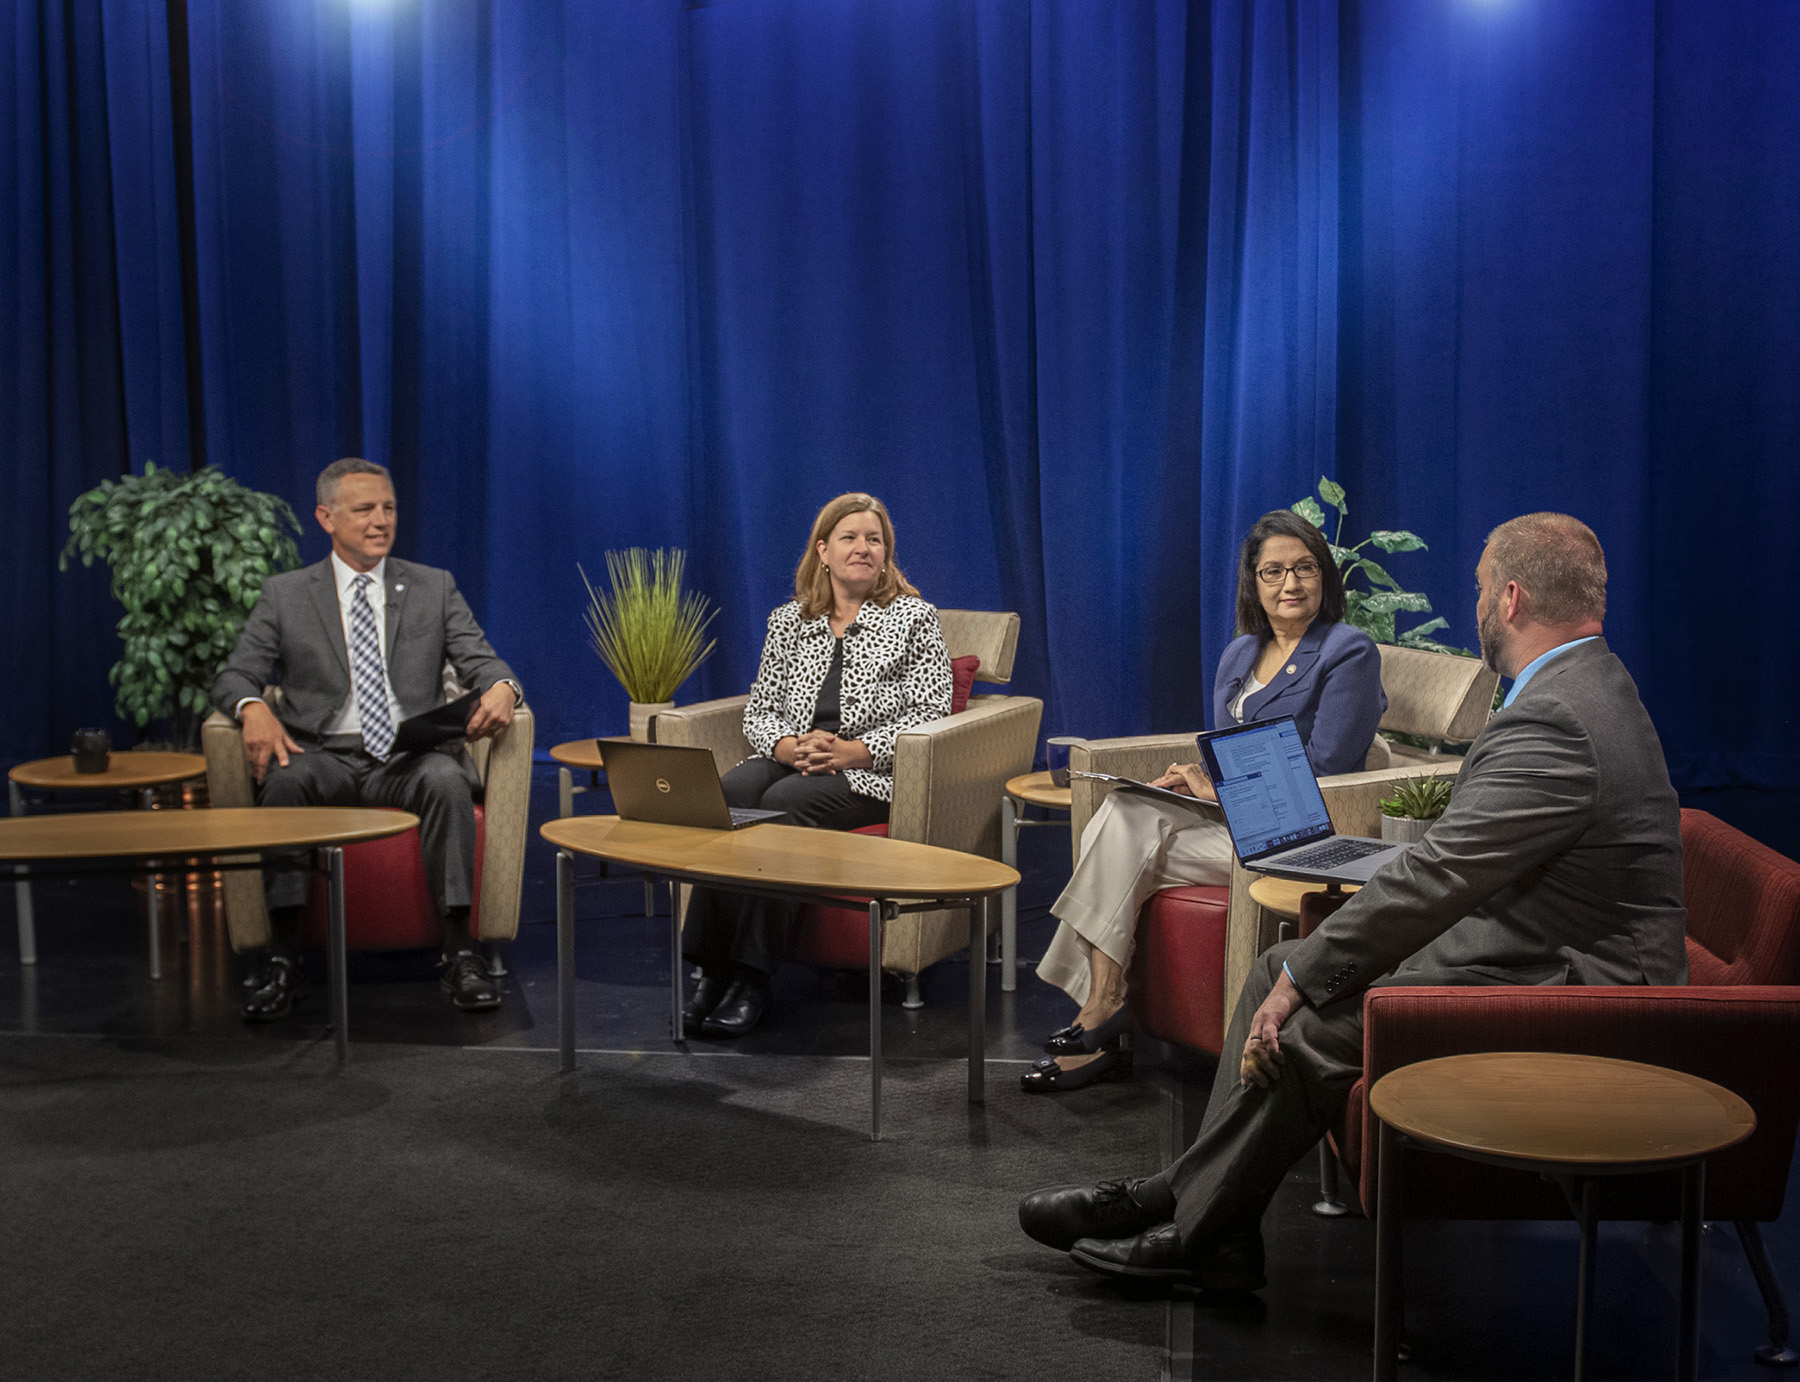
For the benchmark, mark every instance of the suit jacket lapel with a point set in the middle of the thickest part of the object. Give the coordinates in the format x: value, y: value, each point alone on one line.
x: 331, y: 619
x: 1302, y: 660
x: 396, y: 596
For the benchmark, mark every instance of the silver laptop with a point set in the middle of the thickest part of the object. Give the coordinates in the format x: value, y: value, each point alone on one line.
x: 1276, y: 812
x: 668, y: 784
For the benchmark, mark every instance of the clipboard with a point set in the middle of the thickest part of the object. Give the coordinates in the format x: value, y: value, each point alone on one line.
x: 1144, y: 789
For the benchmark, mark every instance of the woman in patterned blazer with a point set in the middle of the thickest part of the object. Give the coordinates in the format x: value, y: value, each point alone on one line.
x: 852, y: 660
x: 1294, y: 656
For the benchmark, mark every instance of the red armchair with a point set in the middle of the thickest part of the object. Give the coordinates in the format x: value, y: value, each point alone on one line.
x: 1743, y: 903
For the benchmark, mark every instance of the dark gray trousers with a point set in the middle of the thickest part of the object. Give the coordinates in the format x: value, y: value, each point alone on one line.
x: 727, y: 928
x: 433, y: 786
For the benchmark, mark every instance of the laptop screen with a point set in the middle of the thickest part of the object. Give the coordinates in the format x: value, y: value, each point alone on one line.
x: 1266, y: 787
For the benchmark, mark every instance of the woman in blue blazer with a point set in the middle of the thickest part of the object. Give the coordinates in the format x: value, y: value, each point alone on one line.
x: 1294, y: 656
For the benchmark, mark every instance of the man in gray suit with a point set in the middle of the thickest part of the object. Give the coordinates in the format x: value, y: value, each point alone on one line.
x: 1558, y: 861
x: 358, y: 643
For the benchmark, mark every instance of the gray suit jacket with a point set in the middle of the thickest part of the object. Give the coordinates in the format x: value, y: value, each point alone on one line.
x: 294, y: 638
x: 1558, y: 861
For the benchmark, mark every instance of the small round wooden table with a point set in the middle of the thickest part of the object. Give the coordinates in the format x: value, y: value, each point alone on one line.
x: 143, y: 772
x: 1571, y: 1119
x: 588, y: 756
x: 1028, y: 789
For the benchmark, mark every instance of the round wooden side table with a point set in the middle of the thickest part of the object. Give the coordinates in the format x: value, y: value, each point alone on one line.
x: 589, y: 756
x: 1572, y: 1119
x: 1028, y: 789
x: 139, y: 772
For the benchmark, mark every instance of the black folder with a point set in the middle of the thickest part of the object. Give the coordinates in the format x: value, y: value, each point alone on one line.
x: 437, y: 726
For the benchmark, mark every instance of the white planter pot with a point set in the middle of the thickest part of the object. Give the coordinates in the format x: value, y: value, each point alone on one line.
x: 641, y: 715
x: 1403, y: 830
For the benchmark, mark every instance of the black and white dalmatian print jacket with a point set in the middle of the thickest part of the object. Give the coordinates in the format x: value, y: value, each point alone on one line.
x: 896, y: 675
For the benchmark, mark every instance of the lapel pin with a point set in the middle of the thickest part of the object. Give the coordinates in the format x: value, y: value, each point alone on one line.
x: 1292, y: 669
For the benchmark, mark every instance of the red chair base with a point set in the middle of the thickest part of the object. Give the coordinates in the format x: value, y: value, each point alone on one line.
x: 387, y: 904
x: 1177, y: 980
x: 833, y: 937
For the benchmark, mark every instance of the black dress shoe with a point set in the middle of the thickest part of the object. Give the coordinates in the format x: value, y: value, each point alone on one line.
x: 465, y: 977
x: 708, y: 994
x: 1064, y: 1214
x: 273, y: 998
x: 1076, y: 1040
x: 1047, y: 1077
x: 1230, y: 1262
x: 740, y: 1009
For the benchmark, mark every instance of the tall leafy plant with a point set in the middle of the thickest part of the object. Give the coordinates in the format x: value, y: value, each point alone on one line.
x: 189, y: 552
x: 649, y: 633
x: 1375, y: 605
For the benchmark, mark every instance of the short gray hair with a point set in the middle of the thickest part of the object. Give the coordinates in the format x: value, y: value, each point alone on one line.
x: 327, y: 487
x: 1557, y: 562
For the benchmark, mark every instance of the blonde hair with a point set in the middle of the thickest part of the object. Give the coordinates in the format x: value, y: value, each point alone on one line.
x: 1557, y: 562
x: 812, y: 582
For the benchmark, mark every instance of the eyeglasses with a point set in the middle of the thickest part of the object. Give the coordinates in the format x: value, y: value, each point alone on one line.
x: 1304, y: 570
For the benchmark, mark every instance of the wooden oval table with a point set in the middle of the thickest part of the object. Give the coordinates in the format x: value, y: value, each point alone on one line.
x: 1028, y: 789
x: 125, y: 772
x: 589, y: 756
x: 1571, y: 1119
x: 113, y: 842
x: 884, y: 876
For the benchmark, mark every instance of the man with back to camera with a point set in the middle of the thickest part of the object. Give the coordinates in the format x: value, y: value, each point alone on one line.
x: 358, y: 643
x: 1558, y: 861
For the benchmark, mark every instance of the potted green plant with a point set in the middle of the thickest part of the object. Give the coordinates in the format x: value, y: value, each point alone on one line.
x: 1415, y: 804
x: 189, y: 552
x: 649, y: 633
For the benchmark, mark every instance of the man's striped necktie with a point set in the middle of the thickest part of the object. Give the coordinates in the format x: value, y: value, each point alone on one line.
x: 368, y: 676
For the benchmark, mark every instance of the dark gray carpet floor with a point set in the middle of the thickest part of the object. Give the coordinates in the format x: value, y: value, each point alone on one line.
x: 443, y: 1213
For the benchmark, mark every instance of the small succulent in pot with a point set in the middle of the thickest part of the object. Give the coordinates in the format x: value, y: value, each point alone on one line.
x: 1414, y: 805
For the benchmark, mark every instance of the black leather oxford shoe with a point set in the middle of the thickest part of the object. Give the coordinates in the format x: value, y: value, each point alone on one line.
x: 707, y: 995
x: 1062, y: 1214
x: 740, y: 1009
x: 273, y: 998
x: 1230, y: 1262
x: 464, y: 976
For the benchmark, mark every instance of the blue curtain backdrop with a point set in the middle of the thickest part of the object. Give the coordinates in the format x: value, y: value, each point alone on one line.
x: 1079, y: 288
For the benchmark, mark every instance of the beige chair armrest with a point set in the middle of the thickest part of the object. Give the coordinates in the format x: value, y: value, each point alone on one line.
x: 949, y: 775
x: 505, y: 765
x: 1143, y: 756
x: 715, y: 725
x: 228, y: 784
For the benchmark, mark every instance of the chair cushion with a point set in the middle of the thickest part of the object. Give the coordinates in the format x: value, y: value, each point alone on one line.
x: 1177, y: 980
x: 1743, y: 906
x: 387, y: 904
x: 962, y: 681
x: 835, y: 937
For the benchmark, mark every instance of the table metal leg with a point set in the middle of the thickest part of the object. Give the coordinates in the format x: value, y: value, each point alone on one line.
x: 152, y: 913
x: 1388, y: 1298
x: 979, y: 915
x: 337, y: 979
x: 1584, y: 1285
x: 565, y: 793
x: 22, y: 890
x: 1009, y: 900
x: 876, y: 910
x: 675, y: 993
x: 649, y: 896
x: 565, y: 958
x: 1687, y: 1338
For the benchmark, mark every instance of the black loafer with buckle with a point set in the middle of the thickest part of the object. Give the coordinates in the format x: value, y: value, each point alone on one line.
x: 274, y: 996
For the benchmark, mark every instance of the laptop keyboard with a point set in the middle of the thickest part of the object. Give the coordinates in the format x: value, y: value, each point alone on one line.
x: 746, y: 815
x: 1333, y: 853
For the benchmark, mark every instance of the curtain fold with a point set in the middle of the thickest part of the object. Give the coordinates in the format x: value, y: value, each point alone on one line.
x: 1079, y: 289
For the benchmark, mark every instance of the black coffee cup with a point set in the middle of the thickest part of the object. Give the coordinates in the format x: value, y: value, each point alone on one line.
x: 92, y: 749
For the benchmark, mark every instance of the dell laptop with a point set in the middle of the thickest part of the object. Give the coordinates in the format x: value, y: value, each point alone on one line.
x: 668, y: 784
x: 1276, y: 812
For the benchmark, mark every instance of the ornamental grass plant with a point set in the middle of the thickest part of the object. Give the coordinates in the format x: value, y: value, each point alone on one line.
x: 649, y: 633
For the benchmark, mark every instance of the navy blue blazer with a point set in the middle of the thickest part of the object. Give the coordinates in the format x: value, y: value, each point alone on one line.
x: 1331, y: 685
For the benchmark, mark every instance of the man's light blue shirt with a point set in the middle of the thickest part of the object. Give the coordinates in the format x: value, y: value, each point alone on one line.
x: 1530, y: 669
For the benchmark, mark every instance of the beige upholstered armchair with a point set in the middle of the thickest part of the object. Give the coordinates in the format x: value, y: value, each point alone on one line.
x: 949, y: 776
x: 505, y: 768
x: 1436, y: 696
